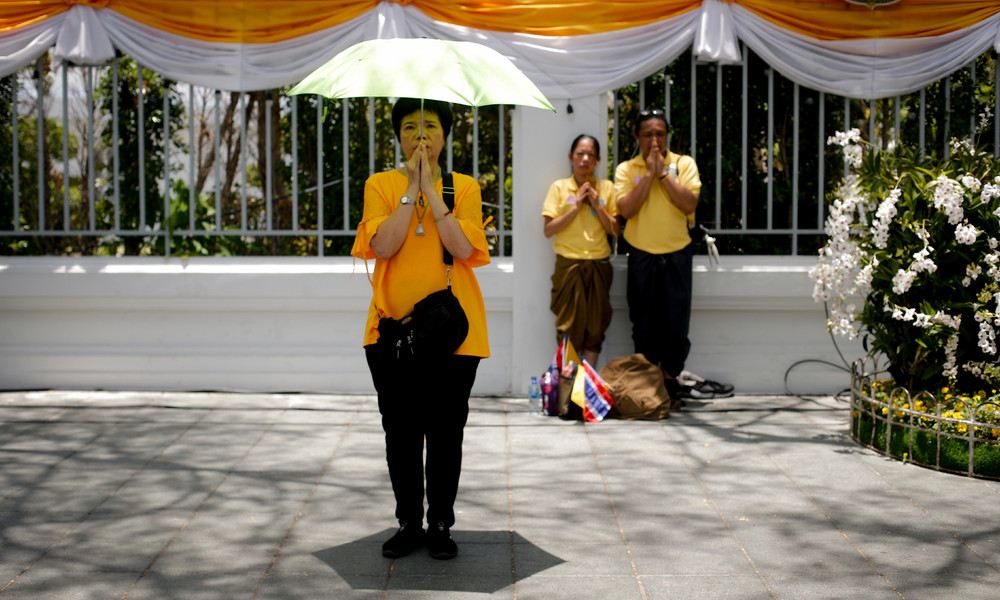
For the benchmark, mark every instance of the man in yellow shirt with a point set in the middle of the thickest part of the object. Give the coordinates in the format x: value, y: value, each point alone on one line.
x: 658, y: 193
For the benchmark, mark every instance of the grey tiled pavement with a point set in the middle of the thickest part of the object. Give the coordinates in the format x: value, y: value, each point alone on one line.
x: 210, y: 496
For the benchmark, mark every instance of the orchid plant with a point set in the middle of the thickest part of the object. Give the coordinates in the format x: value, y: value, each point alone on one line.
x: 912, y: 263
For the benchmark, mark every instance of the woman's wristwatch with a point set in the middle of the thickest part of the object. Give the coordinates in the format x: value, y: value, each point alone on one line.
x: 406, y: 200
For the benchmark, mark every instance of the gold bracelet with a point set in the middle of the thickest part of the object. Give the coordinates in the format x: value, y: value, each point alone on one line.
x: 443, y: 216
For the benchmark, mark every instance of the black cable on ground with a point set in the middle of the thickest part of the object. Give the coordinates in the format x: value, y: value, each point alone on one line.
x: 846, y: 368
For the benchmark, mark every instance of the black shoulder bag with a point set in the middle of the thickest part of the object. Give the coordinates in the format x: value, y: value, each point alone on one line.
x: 437, y: 326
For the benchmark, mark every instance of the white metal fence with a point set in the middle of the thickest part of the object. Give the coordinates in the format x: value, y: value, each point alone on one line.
x: 253, y: 173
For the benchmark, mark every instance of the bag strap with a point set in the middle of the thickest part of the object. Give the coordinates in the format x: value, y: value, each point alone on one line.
x: 448, y: 195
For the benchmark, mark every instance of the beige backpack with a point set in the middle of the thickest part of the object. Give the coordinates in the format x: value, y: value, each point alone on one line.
x: 638, y: 389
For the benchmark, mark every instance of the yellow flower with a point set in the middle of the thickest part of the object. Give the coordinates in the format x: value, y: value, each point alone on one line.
x: 944, y: 390
x: 885, y: 410
x: 962, y: 428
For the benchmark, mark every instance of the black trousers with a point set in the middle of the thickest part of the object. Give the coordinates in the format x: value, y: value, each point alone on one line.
x: 659, y: 306
x: 423, y: 400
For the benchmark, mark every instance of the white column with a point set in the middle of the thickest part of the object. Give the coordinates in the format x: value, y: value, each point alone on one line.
x: 541, y: 155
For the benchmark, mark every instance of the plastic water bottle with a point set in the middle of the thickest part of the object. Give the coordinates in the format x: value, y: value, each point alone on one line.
x: 534, y: 397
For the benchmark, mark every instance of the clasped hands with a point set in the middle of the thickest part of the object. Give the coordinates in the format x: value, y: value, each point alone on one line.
x: 587, y: 194
x: 421, y: 174
x: 655, y: 162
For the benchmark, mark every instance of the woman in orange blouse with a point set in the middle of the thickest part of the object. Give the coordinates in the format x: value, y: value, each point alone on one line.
x: 405, y: 227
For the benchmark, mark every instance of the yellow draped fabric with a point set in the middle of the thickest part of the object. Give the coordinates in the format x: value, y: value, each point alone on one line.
x: 264, y: 21
x: 839, y: 20
x: 15, y: 14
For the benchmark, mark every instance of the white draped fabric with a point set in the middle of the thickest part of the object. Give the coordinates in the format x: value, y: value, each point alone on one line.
x: 561, y: 66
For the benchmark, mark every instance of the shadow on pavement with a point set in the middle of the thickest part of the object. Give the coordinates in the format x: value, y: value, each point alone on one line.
x: 488, y: 561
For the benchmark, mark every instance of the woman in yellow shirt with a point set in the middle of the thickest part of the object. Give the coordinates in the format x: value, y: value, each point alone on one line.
x: 580, y: 211
x: 405, y: 227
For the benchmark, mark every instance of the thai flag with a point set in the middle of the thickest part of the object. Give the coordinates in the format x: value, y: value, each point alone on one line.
x: 592, y: 392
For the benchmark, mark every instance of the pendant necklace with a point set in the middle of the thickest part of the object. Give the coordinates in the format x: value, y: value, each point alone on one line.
x: 420, y: 216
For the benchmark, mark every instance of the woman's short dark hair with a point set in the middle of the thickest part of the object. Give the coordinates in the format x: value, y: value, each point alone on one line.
x: 406, y: 106
x: 584, y: 136
x: 645, y: 115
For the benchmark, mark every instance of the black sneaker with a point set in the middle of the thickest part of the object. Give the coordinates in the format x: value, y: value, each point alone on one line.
x: 439, y: 542
x: 695, y: 386
x: 406, y: 540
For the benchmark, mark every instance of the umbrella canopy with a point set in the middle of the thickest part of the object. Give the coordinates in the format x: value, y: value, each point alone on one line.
x: 458, y: 72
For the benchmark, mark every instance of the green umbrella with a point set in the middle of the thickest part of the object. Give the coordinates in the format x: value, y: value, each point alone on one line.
x: 459, y: 72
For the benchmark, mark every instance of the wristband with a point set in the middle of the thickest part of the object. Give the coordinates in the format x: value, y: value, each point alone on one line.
x: 448, y: 212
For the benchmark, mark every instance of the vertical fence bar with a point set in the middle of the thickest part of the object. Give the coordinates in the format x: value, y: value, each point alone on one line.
x: 694, y: 105
x: 972, y: 119
x: 40, y: 140
x: 244, y: 142
x: 320, y: 250
x: 345, y: 156
x: 947, y: 116
x: 718, y: 146
x: 475, y: 143
x: 770, y: 148
x: 821, y: 168
x: 268, y: 169
x: 502, y: 178
x: 371, y: 136
x: 796, y: 120
x: 923, y: 121
x: 897, y: 116
x: 192, y: 174
x: 872, y: 134
x: 165, y: 225
x: 91, y: 176
x: 65, y: 144
x: 115, y: 151
x: 847, y: 126
x: 218, y: 162
x: 295, y: 163
x: 15, y: 166
x: 744, y: 141
x: 667, y: 87
x: 142, y: 147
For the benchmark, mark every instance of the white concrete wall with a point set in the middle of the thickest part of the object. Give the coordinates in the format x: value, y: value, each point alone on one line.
x: 294, y: 324
x: 273, y: 324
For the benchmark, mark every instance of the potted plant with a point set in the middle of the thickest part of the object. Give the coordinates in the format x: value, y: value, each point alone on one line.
x: 912, y: 264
